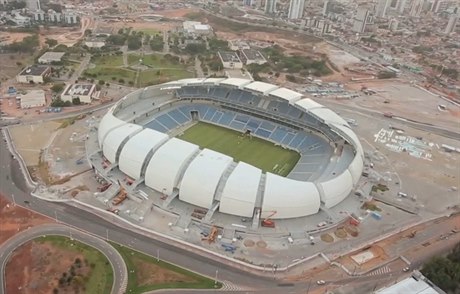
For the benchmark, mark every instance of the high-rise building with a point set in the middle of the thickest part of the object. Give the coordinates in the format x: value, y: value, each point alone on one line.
x: 416, y: 8
x: 33, y: 5
x: 325, y: 7
x: 400, y: 6
x: 270, y: 6
x: 248, y: 2
x: 452, y: 24
x: 296, y: 9
x: 381, y: 8
x: 362, y: 18
x: 3, y: 1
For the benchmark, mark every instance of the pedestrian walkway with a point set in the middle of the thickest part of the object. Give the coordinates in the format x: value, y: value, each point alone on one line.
x: 380, y: 271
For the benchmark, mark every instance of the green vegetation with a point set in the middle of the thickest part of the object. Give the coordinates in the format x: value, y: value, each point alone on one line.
x: 422, y: 49
x: 445, y: 271
x: 386, y: 74
x: 107, y: 60
x: 131, y: 257
x: 154, y: 77
x: 109, y: 68
x: 134, y: 42
x: 156, y: 61
x: 156, y: 43
x: 57, y: 88
x: 194, y: 49
x: 257, y: 152
x: 28, y: 45
x: 100, y: 279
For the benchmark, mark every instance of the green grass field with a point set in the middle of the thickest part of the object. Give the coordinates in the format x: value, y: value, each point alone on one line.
x: 131, y: 256
x: 257, y: 152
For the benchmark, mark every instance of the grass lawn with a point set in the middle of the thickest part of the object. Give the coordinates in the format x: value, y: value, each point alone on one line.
x: 257, y: 152
x: 107, y: 73
x: 101, y: 277
x: 149, y: 31
x: 145, y: 273
x: 155, y: 61
x: 153, y: 77
x: 108, y: 60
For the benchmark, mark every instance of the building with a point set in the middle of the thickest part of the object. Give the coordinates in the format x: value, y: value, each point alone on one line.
x: 3, y: 2
x: 33, y: 98
x: 33, y: 5
x: 381, y: 8
x: 196, y: 28
x: 230, y: 59
x: 296, y: 8
x: 326, y: 6
x: 33, y: 74
x: 416, y: 8
x: 393, y: 25
x: 50, y: 57
x: 20, y: 20
x: 270, y: 6
x: 362, y: 18
x: 250, y: 56
x: 236, y: 45
x: 84, y: 92
x: 96, y: 42
x: 39, y: 15
x: 54, y: 16
x: 452, y: 24
x: 417, y: 283
x: 70, y: 18
x: 248, y: 2
x: 400, y: 6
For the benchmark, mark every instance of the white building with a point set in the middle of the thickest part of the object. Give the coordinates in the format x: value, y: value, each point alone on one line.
x: 84, y: 92
x: 250, y: 56
x: 248, y: 2
x: 230, y: 59
x: 70, y: 18
x: 33, y: 74
x: 381, y: 8
x: 393, y: 24
x: 416, y: 8
x: 95, y: 42
x: 362, y: 19
x: 54, y: 16
x: 196, y: 28
x: 33, y: 98
x: 50, y: 57
x: 296, y: 8
x: 270, y: 6
x: 33, y: 5
x: 236, y: 45
x: 452, y: 24
x: 39, y: 15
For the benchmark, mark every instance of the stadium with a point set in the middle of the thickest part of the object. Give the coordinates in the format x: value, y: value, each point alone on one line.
x: 229, y: 147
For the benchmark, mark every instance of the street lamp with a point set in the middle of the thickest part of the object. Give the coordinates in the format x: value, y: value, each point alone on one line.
x: 215, y: 278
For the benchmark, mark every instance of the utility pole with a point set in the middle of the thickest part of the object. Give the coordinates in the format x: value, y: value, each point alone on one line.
x: 14, y: 200
x: 215, y: 278
x: 107, y: 234
x: 158, y: 255
x: 55, y: 216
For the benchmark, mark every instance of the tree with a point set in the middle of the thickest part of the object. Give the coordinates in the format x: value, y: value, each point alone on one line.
x: 76, y: 101
x: 134, y: 42
x: 194, y: 49
x: 101, y: 82
x: 386, y: 74
x: 51, y: 42
x: 88, y: 32
x: 56, y: 88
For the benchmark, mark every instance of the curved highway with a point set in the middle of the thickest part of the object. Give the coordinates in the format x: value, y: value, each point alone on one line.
x: 120, y: 272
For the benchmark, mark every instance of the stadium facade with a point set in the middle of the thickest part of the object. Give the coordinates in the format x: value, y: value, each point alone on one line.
x: 138, y: 135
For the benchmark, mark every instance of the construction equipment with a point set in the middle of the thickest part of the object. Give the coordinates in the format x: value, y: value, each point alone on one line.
x: 229, y: 247
x: 121, y: 196
x: 267, y: 222
x: 211, y: 238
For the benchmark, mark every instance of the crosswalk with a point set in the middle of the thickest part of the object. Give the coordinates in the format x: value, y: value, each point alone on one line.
x: 380, y: 271
x: 229, y: 286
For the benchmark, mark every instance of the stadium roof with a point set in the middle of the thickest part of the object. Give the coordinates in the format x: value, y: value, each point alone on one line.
x: 328, y: 116
x: 308, y: 104
x: 135, y: 151
x: 289, y: 198
x: 356, y: 168
x: 410, y: 285
x: 260, y: 87
x: 286, y: 94
x: 351, y: 137
x: 201, y: 178
x: 115, y: 138
x: 240, y: 191
x: 108, y: 123
x: 336, y: 189
x: 235, y: 82
x: 168, y: 164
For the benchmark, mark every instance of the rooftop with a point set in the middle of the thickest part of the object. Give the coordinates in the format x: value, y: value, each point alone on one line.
x: 53, y: 56
x: 79, y: 89
x: 228, y: 56
x: 253, y: 54
x: 34, y: 70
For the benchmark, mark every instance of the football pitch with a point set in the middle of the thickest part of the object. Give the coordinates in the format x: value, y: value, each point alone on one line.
x: 257, y: 152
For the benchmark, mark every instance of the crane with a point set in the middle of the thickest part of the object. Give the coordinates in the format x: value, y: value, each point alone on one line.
x: 267, y: 222
x: 212, y: 235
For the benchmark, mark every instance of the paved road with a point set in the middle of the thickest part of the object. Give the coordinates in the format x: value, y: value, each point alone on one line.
x: 120, y: 273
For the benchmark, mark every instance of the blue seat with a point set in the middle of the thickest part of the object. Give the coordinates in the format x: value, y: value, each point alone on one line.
x: 237, y: 125
x: 216, y: 116
x: 178, y: 116
x: 267, y: 126
x: 278, y: 135
x: 155, y: 125
x: 242, y: 118
x: 263, y: 133
x: 297, y: 140
x: 226, y: 118
x: 167, y: 121
x: 208, y: 114
x: 287, y: 139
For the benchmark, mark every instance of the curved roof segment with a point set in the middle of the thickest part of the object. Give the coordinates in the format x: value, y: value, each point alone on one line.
x: 328, y: 116
x: 202, y: 176
x: 108, y: 123
x: 167, y: 165
x: 261, y: 87
x: 116, y: 138
x: 289, y: 198
x: 286, y: 94
x: 336, y: 189
x: 356, y: 168
x: 134, y: 153
x: 240, y: 191
x: 308, y: 104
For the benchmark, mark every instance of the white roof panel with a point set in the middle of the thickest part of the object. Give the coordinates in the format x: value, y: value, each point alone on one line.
x: 115, y: 138
x: 356, y: 168
x: 337, y: 189
x: 235, y: 82
x: 286, y: 94
x: 108, y: 123
x: 260, y: 87
x: 167, y: 165
x: 351, y: 137
x: 240, y: 191
x: 409, y: 285
x: 135, y: 151
x: 213, y: 80
x: 202, y: 176
x: 289, y: 198
x: 308, y: 104
x: 328, y: 116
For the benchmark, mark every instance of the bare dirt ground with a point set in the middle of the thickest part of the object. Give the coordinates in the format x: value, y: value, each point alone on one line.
x: 160, y: 26
x: 176, y: 13
x: 150, y: 274
x: 37, y: 267
x: 15, y: 219
x: 9, y: 65
x: 67, y: 36
x: 9, y: 37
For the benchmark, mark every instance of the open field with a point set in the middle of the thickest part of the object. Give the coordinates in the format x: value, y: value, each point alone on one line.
x: 108, y: 60
x: 155, y: 61
x: 55, y: 262
x: 153, y: 77
x: 257, y: 152
x: 145, y: 273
